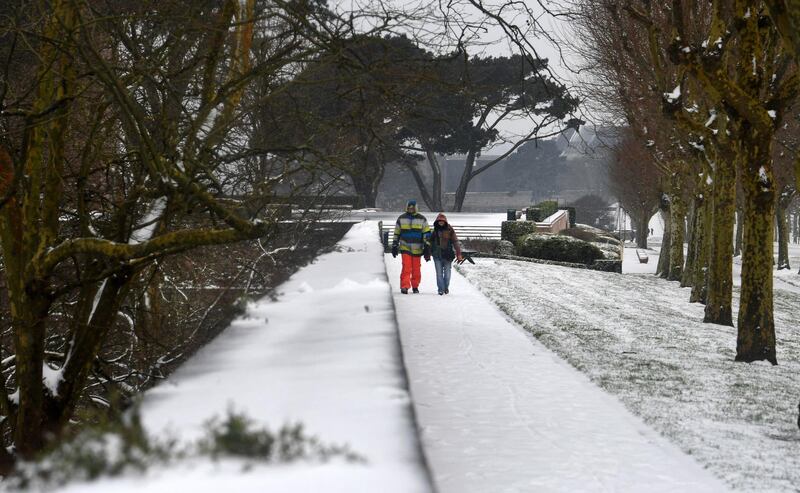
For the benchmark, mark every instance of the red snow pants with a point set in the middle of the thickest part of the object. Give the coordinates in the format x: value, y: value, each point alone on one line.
x: 410, y: 275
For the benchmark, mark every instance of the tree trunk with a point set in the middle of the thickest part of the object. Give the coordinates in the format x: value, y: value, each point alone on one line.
x: 783, y: 234
x: 86, y: 345
x: 367, y: 179
x: 692, y: 236
x: 366, y: 186
x: 421, y: 186
x: 700, y: 284
x: 677, y: 222
x: 436, y: 189
x: 756, y: 327
x: 720, y: 265
x: 642, y: 229
x: 366, y: 191
x: 663, y: 258
x: 432, y: 197
x: 29, y: 337
x: 796, y: 223
x: 463, y: 184
x: 737, y: 249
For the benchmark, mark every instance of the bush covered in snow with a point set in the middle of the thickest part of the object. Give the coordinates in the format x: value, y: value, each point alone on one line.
x: 237, y: 436
x: 548, y: 208
x: 605, y: 241
x: 592, y: 235
x: 513, y: 230
x: 505, y: 247
x: 492, y: 247
x: 115, y: 448
x: 558, y: 247
x: 105, y: 449
x: 541, y: 210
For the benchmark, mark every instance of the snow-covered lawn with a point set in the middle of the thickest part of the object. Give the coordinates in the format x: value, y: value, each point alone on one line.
x: 637, y: 337
x: 324, y: 353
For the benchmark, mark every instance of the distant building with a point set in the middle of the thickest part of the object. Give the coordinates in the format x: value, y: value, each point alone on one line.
x: 491, y: 201
x: 565, y: 168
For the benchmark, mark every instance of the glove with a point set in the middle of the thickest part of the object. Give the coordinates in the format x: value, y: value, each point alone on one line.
x: 394, y: 251
x: 427, y: 258
x: 459, y: 259
x: 426, y: 252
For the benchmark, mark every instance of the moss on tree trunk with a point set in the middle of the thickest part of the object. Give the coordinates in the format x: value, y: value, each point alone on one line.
x: 642, y: 230
x: 720, y: 277
x: 695, y: 213
x: 702, y: 242
x: 782, y: 223
x: 663, y: 258
x: 677, y: 228
x: 756, y: 325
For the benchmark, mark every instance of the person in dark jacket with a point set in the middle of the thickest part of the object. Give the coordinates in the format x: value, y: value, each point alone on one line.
x: 411, y: 240
x: 444, y: 249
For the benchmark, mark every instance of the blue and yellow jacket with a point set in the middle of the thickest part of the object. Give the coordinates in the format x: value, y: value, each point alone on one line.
x: 411, y: 234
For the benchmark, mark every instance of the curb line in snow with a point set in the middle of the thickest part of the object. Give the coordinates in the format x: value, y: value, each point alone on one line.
x: 407, y: 384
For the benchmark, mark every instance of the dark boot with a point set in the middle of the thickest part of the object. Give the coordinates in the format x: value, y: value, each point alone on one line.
x: 415, y: 290
x: 404, y: 290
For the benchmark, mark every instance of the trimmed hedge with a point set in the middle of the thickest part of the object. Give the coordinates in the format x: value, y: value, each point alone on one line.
x: 593, y: 235
x: 512, y: 230
x: 533, y: 214
x: 558, y: 247
x: 548, y: 208
x: 541, y: 211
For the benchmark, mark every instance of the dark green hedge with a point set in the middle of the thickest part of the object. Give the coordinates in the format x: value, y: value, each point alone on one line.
x: 589, y: 235
x: 557, y: 247
x: 548, y: 208
x: 512, y: 230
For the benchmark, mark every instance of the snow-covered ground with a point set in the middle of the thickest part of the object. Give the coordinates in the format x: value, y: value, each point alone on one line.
x: 787, y: 279
x: 325, y: 353
x: 501, y: 413
x: 637, y: 337
x: 498, y: 411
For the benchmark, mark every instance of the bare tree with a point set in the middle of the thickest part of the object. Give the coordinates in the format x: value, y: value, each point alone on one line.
x: 636, y: 183
x: 126, y: 140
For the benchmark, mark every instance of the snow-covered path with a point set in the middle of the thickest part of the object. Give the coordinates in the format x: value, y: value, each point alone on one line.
x: 501, y: 413
x: 326, y: 354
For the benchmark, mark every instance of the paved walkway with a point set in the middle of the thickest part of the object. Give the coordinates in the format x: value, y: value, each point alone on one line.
x: 499, y: 412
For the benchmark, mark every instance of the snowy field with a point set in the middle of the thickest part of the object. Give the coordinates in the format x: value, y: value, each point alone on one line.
x: 324, y: 353
x: 637, y: 337
x: 787, y: 279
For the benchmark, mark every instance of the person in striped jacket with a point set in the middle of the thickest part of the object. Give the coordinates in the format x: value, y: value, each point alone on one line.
x: 412, y: 240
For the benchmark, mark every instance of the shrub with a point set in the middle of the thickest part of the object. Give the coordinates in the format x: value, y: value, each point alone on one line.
x: 107, y: 449
x: 485, y: 245
x: 482, y: 245
x: 558, y: 247
x: 237, y: 436
x: 115, y: 448
x: 533, y: 214
x: 547, y: 208
x: 512, y: 230
x: 593, y: 235
x: 608, y: 266
x: 505, y: 247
